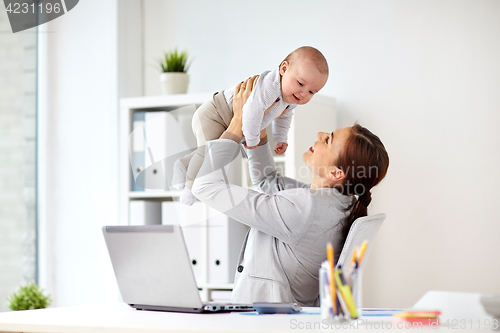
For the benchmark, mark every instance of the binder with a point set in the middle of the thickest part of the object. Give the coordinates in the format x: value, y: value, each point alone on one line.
x: 225, y: 238
x: 144, y: 212
x: 218, y: 256
x: 190, y: 218
x: 156, y: 136
x: 180, y: 132
x: 137, y: 146
x: 168, y: 136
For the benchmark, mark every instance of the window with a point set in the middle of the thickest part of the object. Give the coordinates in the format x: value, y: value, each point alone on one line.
x: 18, y: 115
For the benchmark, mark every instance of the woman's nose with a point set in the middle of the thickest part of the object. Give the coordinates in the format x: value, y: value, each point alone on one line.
x: 321, y: 135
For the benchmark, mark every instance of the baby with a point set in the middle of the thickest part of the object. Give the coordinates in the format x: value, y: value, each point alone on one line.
x: 276, y: 93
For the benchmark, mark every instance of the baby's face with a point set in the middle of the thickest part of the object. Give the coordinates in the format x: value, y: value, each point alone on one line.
x: 300, y: 81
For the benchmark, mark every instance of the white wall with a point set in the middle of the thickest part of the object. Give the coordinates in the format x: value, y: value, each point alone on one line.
x: 78, y: 160
x: 422, y: 74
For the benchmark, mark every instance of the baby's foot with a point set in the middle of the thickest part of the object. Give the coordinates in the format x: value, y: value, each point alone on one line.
x: 179, y: 175
x: 187, y: 196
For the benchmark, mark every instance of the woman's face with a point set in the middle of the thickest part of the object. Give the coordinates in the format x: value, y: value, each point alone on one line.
x: 323, y: 154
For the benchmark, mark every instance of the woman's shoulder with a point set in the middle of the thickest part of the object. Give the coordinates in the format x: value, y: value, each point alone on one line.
x: 316, y: 197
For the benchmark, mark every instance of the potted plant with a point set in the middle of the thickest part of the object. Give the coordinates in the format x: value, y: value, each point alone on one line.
x: 28, y: 297
x: 174, y: 78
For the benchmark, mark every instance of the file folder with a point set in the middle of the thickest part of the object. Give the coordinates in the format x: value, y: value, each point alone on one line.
x: 225, y: 238
x: 156, y: 150
x: 137, y: 146
x: 168, y: 134
x: 191, y: 219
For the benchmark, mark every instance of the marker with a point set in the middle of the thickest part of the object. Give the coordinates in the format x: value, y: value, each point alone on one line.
x: 362, y: 252
x: 354, y: 261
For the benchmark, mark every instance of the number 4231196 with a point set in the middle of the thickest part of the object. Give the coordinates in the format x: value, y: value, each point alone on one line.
x: 462, y: 324
x: 25, y: 8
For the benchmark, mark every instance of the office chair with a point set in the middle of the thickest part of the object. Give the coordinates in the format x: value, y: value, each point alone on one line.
x: 364, y: 228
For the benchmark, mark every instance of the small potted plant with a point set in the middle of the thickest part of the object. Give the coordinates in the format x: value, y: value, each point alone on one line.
x: 174, y: 78
x: 28, y: 297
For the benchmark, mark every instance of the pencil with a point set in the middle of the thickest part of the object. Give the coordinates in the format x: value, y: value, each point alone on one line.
x: 354, y: 260
x: 362, y: 252
x: 330, y: 256
x: 354, y: 256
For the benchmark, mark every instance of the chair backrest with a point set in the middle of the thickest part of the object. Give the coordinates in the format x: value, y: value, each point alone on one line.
x: 364, y: 228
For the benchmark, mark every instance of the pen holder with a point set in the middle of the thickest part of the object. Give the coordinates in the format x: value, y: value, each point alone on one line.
x: 347, y: 297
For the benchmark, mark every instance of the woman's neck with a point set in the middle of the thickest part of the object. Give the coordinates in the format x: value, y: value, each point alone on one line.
x: 319, y: 182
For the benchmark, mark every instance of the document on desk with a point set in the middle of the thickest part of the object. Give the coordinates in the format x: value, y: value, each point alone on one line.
x: 374, y: 312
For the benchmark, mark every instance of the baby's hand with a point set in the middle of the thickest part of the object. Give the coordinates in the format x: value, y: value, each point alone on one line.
x: 280, y: 148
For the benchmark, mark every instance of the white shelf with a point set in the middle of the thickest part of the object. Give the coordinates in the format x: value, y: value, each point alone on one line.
x: 161, y: 102
x: 153, y: 195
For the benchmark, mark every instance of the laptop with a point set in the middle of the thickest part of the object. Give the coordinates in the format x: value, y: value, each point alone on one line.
x: 153, y: 270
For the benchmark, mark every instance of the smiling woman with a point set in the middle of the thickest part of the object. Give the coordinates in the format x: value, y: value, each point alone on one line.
x: 291, y: 222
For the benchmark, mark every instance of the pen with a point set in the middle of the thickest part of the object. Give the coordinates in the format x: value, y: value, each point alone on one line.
x: 326, y: 305
x: 362, y: 252
x: 346, y: 293
x: 353, y: 274
x: 330, y: 256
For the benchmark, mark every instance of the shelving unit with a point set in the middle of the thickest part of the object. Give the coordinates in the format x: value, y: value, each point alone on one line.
x: 235, y: 231
x: 317, y: 115
x: 127, y: 107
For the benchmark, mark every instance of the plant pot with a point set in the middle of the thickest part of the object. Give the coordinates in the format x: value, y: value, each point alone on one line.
x: 174, y: 83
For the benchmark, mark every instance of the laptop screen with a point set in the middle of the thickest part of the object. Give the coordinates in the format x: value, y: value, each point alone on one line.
x: 152, y: 265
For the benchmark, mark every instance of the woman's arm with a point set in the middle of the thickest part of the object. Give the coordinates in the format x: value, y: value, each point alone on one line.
x: 264, y: 175
x: 284, y: 215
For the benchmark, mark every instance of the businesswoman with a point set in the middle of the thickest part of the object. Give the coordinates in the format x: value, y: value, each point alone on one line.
x: 290, y: 222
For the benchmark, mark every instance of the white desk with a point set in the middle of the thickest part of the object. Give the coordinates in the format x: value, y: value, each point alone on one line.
x: 121, y: 318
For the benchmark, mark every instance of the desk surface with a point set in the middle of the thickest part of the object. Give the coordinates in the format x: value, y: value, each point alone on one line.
x: 119, y: 317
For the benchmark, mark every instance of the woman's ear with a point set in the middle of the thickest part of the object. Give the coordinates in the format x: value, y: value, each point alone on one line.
x: 335, y: 174
x: 283, y: 67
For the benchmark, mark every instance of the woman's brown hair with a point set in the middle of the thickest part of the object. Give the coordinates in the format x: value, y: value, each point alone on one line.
x: 364, y: 161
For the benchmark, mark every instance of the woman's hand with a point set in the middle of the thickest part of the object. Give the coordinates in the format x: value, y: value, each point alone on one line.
x: 241, y: 94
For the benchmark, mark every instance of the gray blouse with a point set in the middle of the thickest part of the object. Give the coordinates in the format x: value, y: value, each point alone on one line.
x: 290, y: 225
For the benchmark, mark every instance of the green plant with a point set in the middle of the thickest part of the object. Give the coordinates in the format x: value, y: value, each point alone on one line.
x: 174, y: 61
x: 28, y: 297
